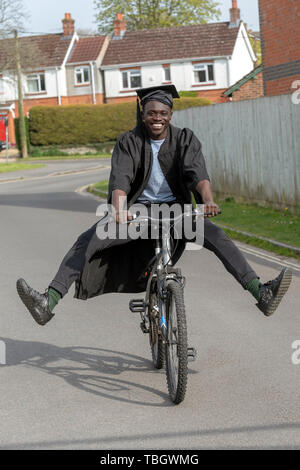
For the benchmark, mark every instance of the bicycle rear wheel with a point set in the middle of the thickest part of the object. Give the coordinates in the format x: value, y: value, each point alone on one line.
x: 176, y: 345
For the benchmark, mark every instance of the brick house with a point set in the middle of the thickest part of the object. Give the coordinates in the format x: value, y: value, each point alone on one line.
x: 65, y: 70
x: 68, y: 69
x: 280, y: 32
x: 249, y: 87
x: 207, y: 58
x: 84, y: 82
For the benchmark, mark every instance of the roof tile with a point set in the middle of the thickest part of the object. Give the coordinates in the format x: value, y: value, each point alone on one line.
x: 86, y: 49
x: 47, y: 50
x: 180, y: 42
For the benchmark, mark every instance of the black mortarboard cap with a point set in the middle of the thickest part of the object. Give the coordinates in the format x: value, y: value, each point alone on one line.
x: 162, y: 93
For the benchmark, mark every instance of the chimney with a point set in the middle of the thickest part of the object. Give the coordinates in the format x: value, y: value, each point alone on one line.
x: 119, y: 26
x: 68, y: 25
x: 235, y: 15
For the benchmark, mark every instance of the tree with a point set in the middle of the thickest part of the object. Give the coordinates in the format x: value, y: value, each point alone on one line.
x: 149, y: 14
x: 86, y: 32
x: 12, y: 17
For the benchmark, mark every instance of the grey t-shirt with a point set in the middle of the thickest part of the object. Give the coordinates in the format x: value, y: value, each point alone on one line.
x: 157, y: 188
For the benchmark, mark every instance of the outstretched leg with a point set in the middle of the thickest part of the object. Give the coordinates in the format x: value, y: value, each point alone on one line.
x: 216, y: 240
x: 72, y: 264
x: 41, y: 305
x: 268, y: 295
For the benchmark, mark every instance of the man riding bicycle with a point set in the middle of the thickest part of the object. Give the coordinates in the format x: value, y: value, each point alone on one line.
x: 153, y: 163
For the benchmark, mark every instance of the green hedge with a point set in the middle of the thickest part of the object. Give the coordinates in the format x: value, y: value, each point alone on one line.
x: 188, y: 94
x: 192, y: 102
x: 88, y: 124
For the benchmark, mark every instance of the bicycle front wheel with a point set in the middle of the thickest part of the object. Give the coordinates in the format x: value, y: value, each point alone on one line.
x: 176, y: 344
x: 156, y: 342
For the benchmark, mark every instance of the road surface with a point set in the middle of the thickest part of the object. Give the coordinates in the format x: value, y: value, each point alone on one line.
x: 85, y: 380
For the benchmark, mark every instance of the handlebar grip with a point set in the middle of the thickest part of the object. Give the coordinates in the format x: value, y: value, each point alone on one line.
x: 210, y: 213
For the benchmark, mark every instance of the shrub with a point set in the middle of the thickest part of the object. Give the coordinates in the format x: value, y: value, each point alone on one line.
x: 185, y: 103
x: 88, y: 124
x: 188, y: 94
x: 52, y: 152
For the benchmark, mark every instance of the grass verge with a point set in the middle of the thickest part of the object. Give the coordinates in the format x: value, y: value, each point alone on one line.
x: 69, y: 157
x: 279, y: 225
x: 99, y: 189
x: 265, y: 245
x: 8, y: 167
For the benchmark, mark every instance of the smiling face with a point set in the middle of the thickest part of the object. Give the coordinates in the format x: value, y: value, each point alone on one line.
x: 156, y: 117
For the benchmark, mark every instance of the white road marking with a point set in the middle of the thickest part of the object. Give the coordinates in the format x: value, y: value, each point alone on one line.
x: 271, y: 258
x: 55, y: 174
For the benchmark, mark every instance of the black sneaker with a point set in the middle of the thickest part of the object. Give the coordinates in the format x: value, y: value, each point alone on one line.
x: 271, y: 293
x: 36, y: 303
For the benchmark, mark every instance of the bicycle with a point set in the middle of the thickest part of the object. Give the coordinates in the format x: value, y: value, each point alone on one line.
x: 163, y: 313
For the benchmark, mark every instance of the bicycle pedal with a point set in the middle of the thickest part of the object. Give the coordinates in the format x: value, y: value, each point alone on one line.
x: 137, y: 305
x: 192, y: 354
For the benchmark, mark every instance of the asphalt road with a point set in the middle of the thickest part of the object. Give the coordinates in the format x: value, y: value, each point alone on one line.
x: 85, y: 380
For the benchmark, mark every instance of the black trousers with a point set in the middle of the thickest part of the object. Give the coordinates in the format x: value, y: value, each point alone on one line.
x: 215, y: 240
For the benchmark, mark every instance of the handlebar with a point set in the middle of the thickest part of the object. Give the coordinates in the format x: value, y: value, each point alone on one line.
x: 194, y: 212
x: 210, y: 213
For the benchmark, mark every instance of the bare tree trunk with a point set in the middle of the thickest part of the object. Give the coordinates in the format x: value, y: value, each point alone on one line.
x: 22, y: 128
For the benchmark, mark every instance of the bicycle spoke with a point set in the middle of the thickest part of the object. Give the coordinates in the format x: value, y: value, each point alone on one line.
x: 156, y: 344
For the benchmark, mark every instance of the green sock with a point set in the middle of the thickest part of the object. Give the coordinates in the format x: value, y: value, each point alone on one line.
x: 253, y: 287
x: 54, y: 298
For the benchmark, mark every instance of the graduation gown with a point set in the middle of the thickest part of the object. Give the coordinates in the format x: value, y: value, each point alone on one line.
x: 120, y: 265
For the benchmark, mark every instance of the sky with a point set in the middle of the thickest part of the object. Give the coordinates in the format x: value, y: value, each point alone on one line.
x: 46, y: 15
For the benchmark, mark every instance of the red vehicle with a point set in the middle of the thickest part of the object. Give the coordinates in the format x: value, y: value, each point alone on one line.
x: 3, y: 124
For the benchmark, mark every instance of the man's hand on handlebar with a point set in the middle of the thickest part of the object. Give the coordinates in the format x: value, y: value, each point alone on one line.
x: 211, y: 209
x: 122, y: 217
x: 119, y: 201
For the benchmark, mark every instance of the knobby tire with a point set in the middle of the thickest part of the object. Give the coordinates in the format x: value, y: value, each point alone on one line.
x: 176, y: 355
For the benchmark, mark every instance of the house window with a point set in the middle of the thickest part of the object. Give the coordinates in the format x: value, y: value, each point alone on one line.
x: 131, y: 79
x: 82, y: 75
x: 36, y: 83
x: 167, y: 74
x: 203, y: 73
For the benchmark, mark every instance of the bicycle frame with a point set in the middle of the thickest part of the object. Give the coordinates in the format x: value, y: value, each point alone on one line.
x: 164, y: 302
x: 162, y: 274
